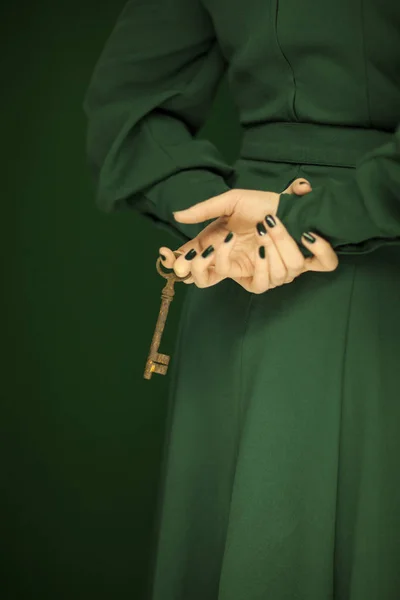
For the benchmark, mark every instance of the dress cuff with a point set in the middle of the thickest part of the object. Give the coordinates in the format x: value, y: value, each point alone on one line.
x: 178, y: 192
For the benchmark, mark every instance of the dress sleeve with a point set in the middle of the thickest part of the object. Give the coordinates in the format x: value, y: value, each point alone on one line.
x: 149, y: 94
x: 355, y: 217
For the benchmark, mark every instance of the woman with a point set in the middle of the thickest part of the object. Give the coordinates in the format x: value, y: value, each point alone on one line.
x: 281, y: 460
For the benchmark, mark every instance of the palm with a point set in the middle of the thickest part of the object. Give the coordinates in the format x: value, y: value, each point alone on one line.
x: 243, y: 255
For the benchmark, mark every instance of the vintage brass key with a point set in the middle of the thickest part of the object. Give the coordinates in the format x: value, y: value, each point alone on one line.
x: 156, y: 361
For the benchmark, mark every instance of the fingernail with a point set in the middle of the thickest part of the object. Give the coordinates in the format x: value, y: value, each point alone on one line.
x: 261, y: 251
x: 303, y: 182
x: 309, y: 237
x: 228, y: 237
x: 261, y: 229
x: 207, y: 251
x: 270, y: 220
x: 163, y: 257
x: 191, y: 254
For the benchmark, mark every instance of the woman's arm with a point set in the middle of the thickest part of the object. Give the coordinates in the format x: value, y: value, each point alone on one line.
x: 355, y: 217
x: 150, y: 93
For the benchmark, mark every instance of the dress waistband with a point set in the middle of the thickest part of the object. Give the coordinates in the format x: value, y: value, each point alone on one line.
x: 310, y: 143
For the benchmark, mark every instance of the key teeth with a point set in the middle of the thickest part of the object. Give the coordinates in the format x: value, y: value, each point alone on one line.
x: 163, y: 359
x: 160, y: 369
x: 156, y: 367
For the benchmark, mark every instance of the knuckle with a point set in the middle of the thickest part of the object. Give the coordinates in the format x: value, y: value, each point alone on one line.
x: 265, y: 238
x: 279, y: 234
x: 296, y: 265
x: 279, y: 277
x: 221, y: 269
x: 279, y: 280
x: 334, y: 265
x: 197, y: 282
x: 267, y: 241
x: 234, y: 194
x: 260, y: 290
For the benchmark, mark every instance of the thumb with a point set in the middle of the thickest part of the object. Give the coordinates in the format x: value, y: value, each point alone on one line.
x: 299, y: 186
x: 212, y: 208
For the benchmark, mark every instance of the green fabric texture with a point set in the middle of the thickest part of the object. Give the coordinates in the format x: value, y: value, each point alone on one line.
x: 146, y: 101
x: 355, y: 217
x: 280, y: 479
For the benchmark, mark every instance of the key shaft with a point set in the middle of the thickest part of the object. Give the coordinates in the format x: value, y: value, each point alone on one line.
x: 158, y: 362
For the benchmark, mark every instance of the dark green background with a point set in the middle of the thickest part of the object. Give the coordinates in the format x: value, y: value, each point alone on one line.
x: 81, y: 430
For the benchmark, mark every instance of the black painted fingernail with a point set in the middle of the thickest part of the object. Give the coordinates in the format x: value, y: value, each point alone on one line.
x: 163, y: 257
x: 270, y: 220
x: 191, y: 254
x: 228, y: 237
x: 261, y: 229
x: 261, y: 251
x: 207, y: 251
x: 309, y: 237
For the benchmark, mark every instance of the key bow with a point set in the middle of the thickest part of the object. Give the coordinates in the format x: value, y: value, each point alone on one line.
x: 171, y: 274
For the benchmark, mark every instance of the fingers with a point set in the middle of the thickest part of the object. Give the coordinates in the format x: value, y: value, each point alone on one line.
x: 201, y: 271
x: 261, y: 279
x: 223, y: 263
x: 211, y: 267
x: 194, y: 260
x: 268, y: 269
x: 167, y: 257
x: 204, y: 275
x: 324, y: 259
x: 180, y: 264
x: 214, y: 207
x: 241, y: 267
x: 285, y: 259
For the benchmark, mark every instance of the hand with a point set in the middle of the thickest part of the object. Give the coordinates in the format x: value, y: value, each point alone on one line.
x: 238, y: 210
x: 239, y: 258
x: 284, y: 260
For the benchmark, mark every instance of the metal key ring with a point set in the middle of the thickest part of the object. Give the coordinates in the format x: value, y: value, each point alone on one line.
x: 171, y: 273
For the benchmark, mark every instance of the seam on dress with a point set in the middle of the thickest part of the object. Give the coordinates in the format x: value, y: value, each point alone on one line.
x: 363, y: 37
x: 342, y: 391
x: 286, y: 59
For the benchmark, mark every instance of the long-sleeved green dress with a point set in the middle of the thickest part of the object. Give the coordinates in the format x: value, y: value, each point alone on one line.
x: 281, y: 478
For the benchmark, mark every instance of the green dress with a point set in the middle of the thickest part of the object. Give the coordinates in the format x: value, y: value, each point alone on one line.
x: 281, y: 478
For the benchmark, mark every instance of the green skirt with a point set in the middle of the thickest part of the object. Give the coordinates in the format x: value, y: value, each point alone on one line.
x: 280, y: 478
